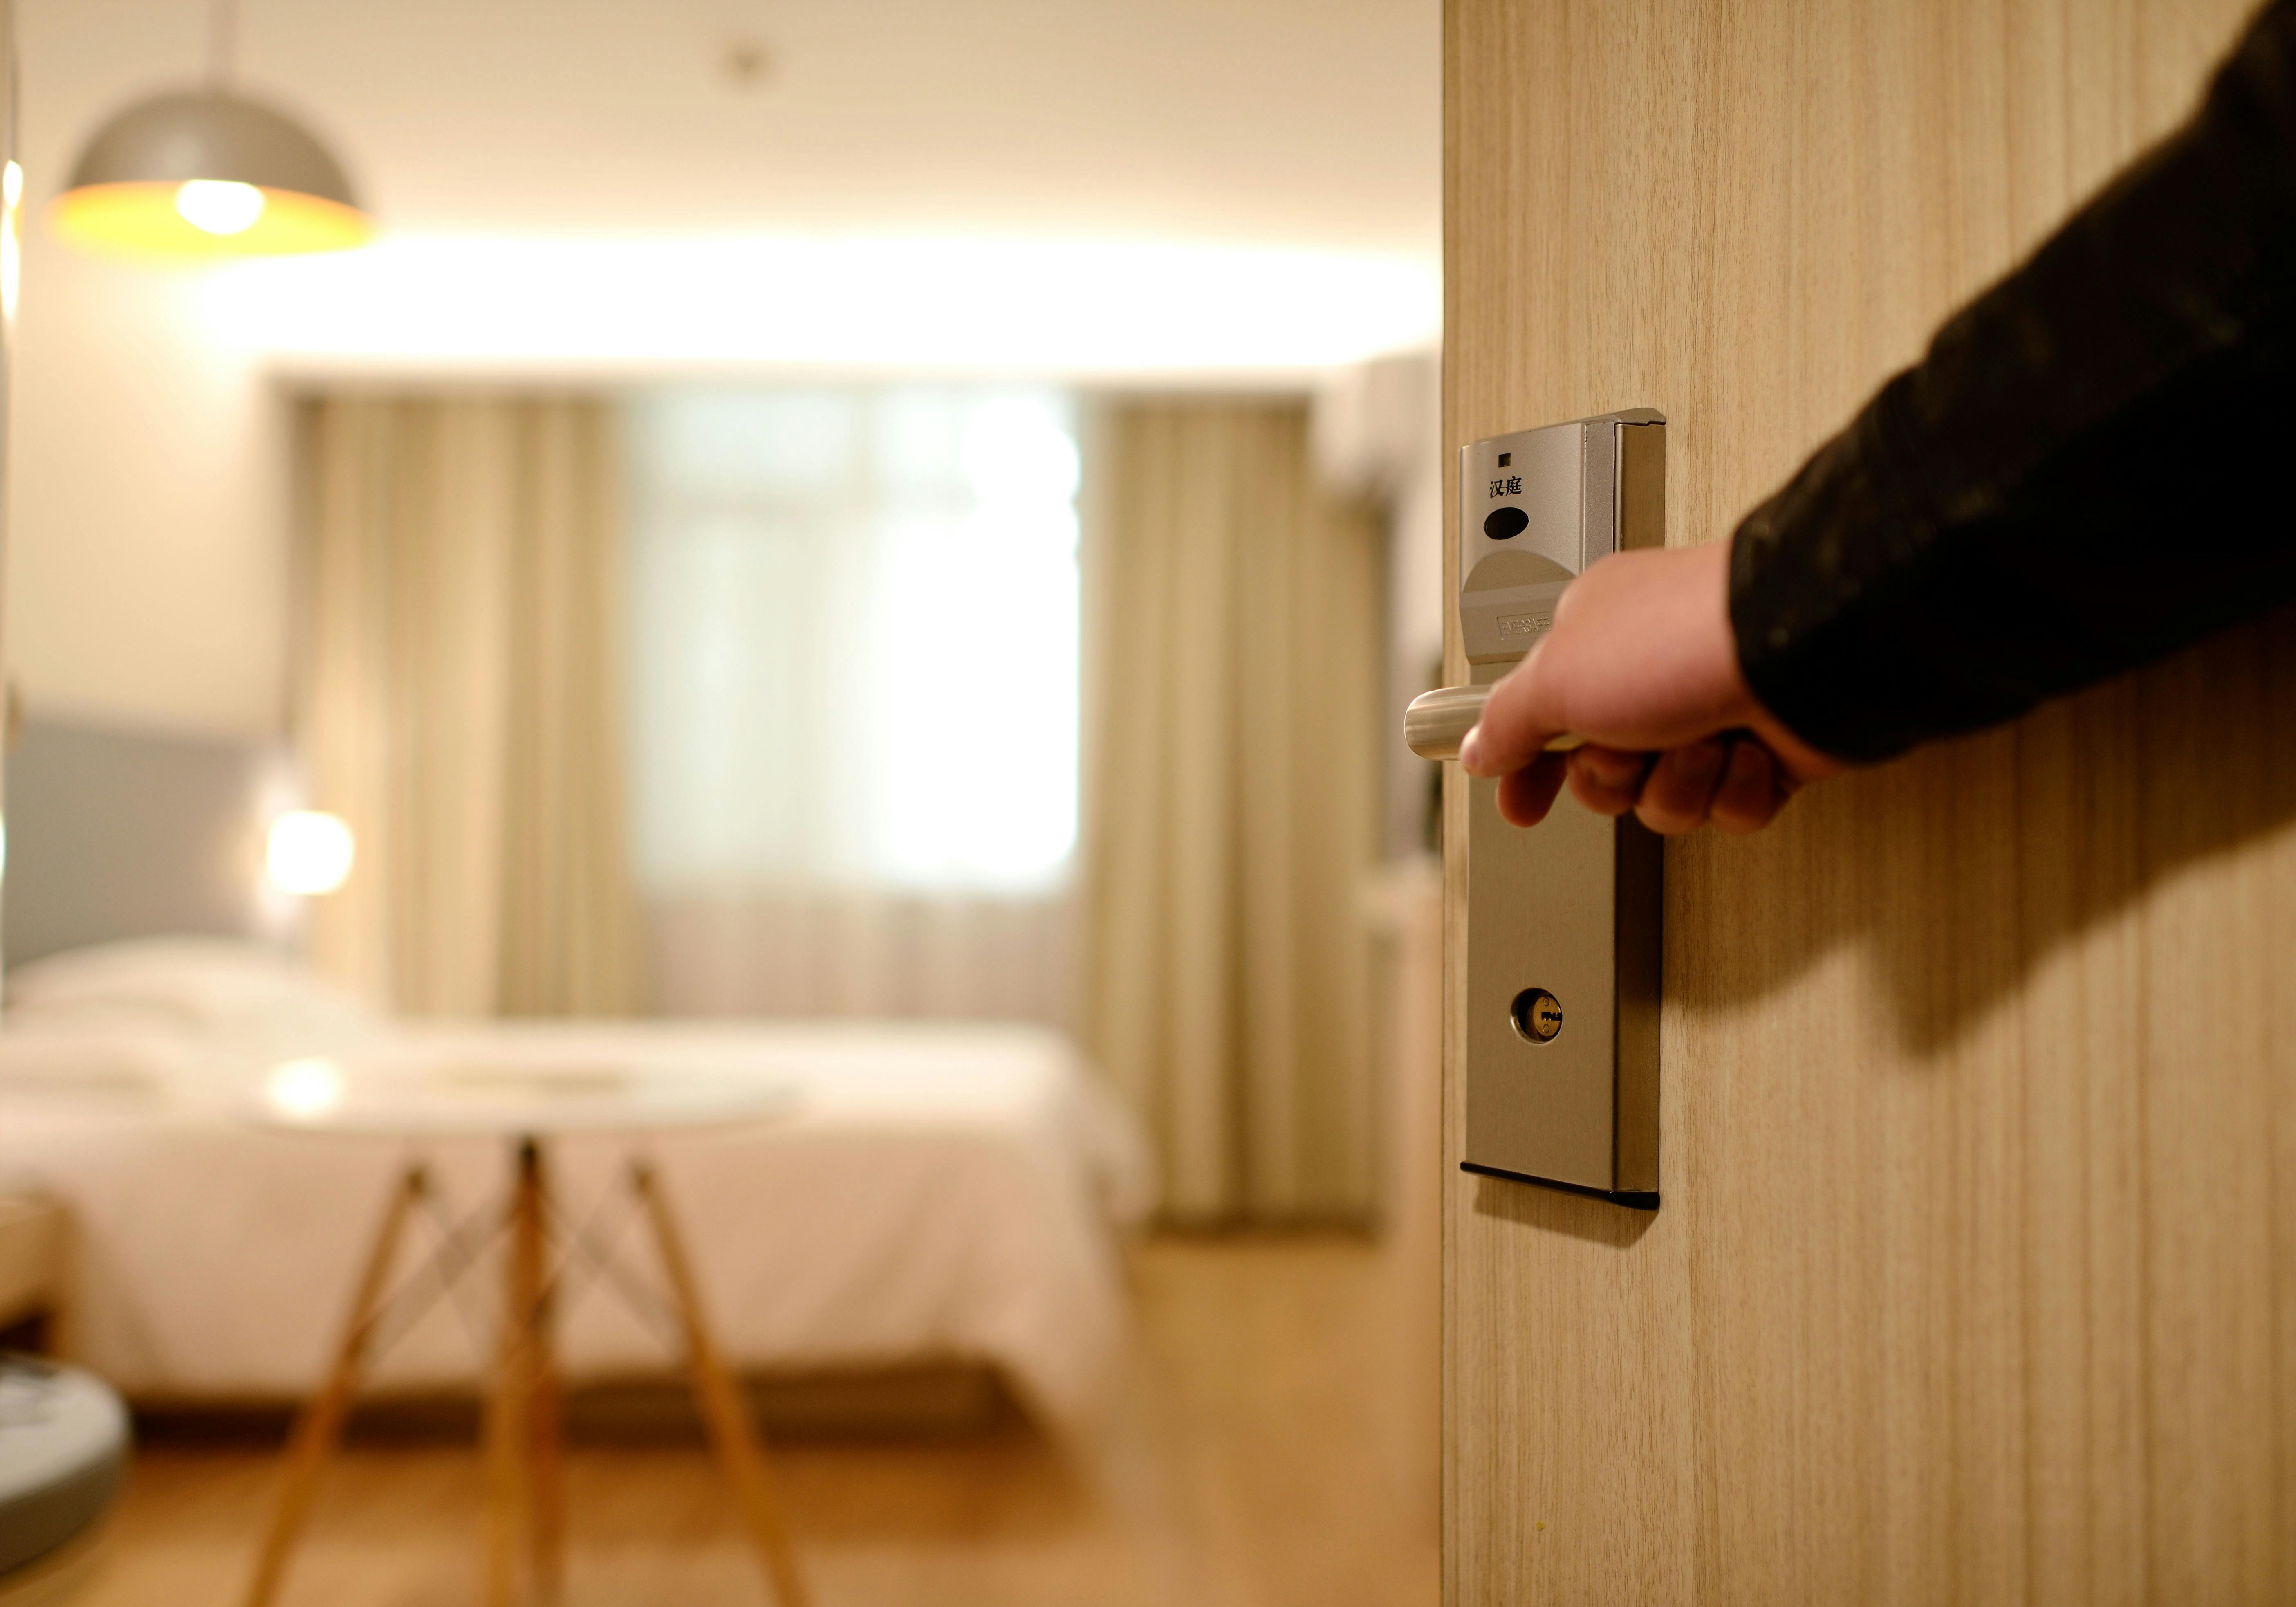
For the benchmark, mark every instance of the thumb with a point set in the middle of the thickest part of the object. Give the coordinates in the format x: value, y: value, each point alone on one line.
x: 1516, y: 722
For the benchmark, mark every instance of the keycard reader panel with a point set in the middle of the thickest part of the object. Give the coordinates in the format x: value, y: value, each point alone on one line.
x: 1563, y: 930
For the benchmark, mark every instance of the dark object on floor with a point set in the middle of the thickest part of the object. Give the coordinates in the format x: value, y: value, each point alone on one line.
x: 63, y: 1446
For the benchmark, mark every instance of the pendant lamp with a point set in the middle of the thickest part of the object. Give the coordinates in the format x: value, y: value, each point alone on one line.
x: 207, y: 173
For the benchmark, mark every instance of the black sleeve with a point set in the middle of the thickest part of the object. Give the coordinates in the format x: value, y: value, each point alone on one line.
x: 2094, y: 463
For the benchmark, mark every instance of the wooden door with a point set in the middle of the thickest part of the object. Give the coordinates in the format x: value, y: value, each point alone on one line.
x: 1975, y: 1280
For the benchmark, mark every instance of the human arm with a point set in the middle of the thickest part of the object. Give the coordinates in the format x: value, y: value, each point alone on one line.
x: 2080, y: 475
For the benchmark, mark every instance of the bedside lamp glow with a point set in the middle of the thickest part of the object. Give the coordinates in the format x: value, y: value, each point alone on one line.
x: 304, y: 1088
x: 310, y: 853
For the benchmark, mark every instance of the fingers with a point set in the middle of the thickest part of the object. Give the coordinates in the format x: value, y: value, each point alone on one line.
x: 1680, y: 792
x: 1735, y: 784
x: 1607, y: 780
x: 1754, y: 788
x: 1511, y: 733
x: 1526, y: 795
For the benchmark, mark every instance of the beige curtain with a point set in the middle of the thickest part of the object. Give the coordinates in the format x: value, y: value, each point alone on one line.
x: 1231, y: 802
x: 872, y: 952
x: 459, y: 699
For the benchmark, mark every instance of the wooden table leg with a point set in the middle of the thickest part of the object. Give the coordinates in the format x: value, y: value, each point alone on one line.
x: 321, y: 1425
x: 509, y: 1406
x: 547, y: 1478
x: 722, y: 1406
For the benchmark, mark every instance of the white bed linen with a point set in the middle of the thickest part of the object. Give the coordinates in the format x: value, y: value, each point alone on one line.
x: 939, y: 1191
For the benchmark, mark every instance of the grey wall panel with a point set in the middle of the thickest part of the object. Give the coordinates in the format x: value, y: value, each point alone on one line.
x: 117, y: 834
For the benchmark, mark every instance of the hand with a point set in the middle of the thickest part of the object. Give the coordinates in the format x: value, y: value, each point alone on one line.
x: 1642, y: 663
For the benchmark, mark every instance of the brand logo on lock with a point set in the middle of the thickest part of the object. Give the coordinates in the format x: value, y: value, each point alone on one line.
x: 1538, y: 1014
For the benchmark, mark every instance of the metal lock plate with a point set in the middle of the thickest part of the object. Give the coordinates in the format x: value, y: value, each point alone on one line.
x: 1564, y: 941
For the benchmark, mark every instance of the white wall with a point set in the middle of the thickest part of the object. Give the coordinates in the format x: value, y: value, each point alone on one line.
x: 144, y: 563
x: 1378, y: 429
x: 145, y: 557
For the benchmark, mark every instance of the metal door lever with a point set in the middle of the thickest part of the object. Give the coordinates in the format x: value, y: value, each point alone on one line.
x: 1439, y: 721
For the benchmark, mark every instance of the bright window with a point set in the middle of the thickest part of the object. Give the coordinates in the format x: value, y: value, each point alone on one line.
x: 854, y: 651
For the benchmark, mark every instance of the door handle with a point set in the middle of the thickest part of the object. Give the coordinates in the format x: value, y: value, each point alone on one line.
x: 1436, y: 722
x: 1562, y: 942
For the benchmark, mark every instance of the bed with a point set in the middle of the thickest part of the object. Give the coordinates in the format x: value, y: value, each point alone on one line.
x: 933, y: 1192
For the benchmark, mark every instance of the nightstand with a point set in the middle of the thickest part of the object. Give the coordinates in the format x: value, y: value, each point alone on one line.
x: 31, y: 1269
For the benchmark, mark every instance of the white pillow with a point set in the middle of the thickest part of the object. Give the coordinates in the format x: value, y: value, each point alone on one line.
x: 208, y: 985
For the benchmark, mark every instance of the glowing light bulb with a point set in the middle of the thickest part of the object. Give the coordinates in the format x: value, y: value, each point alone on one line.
x: 12, y: 185
x: 219, y: 206
x: 304, y: 1088
x: 309, y: 852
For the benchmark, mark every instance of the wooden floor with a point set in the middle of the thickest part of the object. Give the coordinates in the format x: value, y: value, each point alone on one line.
x: 1263, y: 1453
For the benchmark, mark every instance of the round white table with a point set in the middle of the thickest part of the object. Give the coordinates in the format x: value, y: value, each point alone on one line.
x: 525, y: 1104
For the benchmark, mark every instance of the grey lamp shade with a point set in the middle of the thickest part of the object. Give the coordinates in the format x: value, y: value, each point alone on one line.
x: 200, y: 133
x: 122, y: 194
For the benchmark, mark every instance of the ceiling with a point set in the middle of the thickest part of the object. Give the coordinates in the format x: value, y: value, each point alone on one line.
x: 1306, y: 130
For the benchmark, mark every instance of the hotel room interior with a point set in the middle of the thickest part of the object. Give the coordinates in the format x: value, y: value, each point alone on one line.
x: 742, y: 769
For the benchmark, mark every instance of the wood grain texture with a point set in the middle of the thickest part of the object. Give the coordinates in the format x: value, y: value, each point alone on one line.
x: 1976, y: 1277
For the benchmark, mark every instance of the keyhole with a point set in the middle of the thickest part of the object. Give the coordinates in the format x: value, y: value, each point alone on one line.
x: 1537, y: 1015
